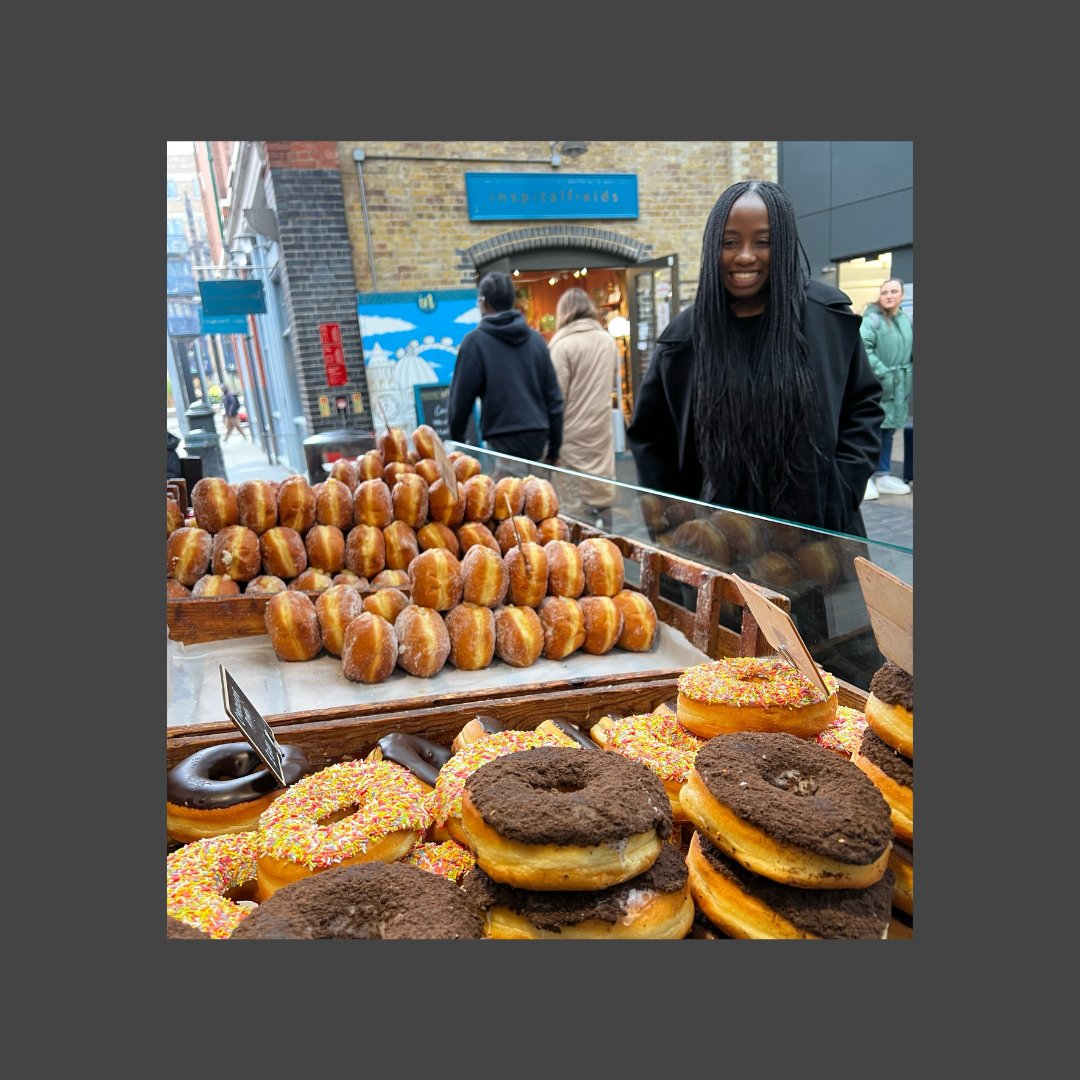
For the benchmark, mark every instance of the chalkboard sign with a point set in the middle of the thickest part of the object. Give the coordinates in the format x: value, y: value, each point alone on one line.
x: 433, y: 408
x: 256, y: 730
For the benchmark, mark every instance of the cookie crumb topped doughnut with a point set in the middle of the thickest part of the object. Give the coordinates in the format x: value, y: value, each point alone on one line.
x: 753, y: 693
x: 562, y: 818
x: 893, y: 775
x: 210, y: 884
x: 889, y: 707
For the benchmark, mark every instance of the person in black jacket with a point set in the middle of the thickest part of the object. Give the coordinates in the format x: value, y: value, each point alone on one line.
x: 760, y: 397
x: 506, y: 364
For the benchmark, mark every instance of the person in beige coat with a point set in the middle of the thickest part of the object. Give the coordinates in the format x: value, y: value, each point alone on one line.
x: 586, y: 361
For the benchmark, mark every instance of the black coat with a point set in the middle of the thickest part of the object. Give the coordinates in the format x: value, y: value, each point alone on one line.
x: 506, y: 364
x: 847, y: 427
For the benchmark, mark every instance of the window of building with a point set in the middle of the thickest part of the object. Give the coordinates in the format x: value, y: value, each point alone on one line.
x: 170, y: 189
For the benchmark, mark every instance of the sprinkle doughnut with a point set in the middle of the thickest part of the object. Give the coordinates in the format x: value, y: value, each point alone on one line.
x: 789, y: 810
x: 559, y: 818
x: 205, y: 880
x: 753, y: 693
x: 656, y: 905
x: 658, y: 741
x: 889, y: 707
x: 373, y: 900
x: 352, y: 812
x: 748, y: 906
x: 845, y: 733
x: 224, y: 789
x: 448, y: 859
x: 893, y: 775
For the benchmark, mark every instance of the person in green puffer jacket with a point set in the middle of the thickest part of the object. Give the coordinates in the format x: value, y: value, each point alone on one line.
x: 888, y: 335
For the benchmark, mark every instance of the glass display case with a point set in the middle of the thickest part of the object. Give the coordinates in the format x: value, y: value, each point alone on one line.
x: 814, y: 568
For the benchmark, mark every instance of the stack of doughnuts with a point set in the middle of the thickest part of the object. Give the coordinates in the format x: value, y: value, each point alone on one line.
x: 886, y: 755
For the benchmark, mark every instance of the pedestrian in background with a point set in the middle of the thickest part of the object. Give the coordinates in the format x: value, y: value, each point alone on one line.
x: 506, y: 364
x: 888, y: 335
x: 232, y: 417
x: 586, y: 361
x: 759, y: 397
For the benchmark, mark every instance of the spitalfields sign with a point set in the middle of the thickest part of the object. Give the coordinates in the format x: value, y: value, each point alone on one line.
x: 533, y: 196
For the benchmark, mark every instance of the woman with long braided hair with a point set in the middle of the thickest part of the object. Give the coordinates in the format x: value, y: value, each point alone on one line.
x: 759, y: 397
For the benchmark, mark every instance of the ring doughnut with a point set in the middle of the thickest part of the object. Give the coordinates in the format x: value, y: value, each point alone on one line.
x: 889, y: 707
x: 789, y: 810
x: 476, y: 728
x: 746, y: 905
x: 422, y: 757
x: 559, y: 818
x: 352, y: 812
x: 224, y: 788
x: 655, y: 904
x: 210, y: 884
x: 893, y: 775
x: 753, y: 693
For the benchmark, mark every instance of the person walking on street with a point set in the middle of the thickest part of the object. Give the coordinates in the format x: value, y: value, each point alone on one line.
x: 759, y: 397
x: 506, y: 364
x: 586, y: 361
x: 232, y: 418
x: 888, y: 335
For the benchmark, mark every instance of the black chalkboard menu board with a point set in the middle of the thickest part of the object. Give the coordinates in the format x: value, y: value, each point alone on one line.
x: 432, y: 408
x: 256, y: 730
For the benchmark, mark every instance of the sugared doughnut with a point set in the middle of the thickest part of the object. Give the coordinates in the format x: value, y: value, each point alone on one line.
x: 435, y: 579
x: 257, y: 501
x: 423, y: 640
x: 236, y: 553
x: 437, y: 535
x: 541, y: 501
x: 293, y: 625
x: 466, y: 467
x: 789, y: 810
x: 188, y: 551
x: 386, y: 602
x: 889, y: 707
x: 265, y: 585
x: 352, y: 812
x: 479, y: 498
x: 365, y: 550
x: 774, y: 569
x: 347, y: 577
x: 395, y: 470
x: 215, y: 585
x: 215, y: 504
x: 657, y: 741
x: 174, y: 516
x: 409, y: 497
x: 175, y: 590
x: 562, y: 818
x: 347, y: 470
x: 373, y: 901
x: 472, y: 636
x: 401, y: 545
x: 334, y: 505
x: 753, y: 693
x: 640, y: 625
x: 748, y: 906
x: 224, y: 788
x: 655, y: 904
x: 426, y: 440
x: 845, y: 732
x: 566, y: 572
x: 746, y: 536
x: 446, y: 505
x: 325, y: 547
x: 893, y: 775
x: 902, y: 864
x: 528, y: 570
x: 448, y: 859
x: 391, y: 579
x: 445, y: 800
x: 819, y: 561
x: 564, y: 626
x: 602, y: 565
x: 336, y: 607
x: 370, y: 466
x: 552, y: 528
x: 311, y: 580
x: 510, y: 530
x: 373, y: 503
x: 210, y: 884
x: 422, y: 757
x: 603, y: 624
x: 519, y: 635
x: 393, y: 443
x: 702, y: 539
x: 283, y: 552
x: 484, y: 577
x: 296, y: 504
x: 428, y: 468
x: 369, y: 648
x: 509, y: 497
x: 473, y: 533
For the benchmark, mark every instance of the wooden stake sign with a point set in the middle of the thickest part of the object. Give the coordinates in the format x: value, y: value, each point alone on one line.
x: 446, y: 466
x: 891, y: 605
x: 781, y: 634
x: 517, y: 535
x: 256, y: 730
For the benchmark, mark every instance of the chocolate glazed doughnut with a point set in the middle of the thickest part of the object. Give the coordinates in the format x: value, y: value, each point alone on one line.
x: 422, y: 757
x: 558, y: 818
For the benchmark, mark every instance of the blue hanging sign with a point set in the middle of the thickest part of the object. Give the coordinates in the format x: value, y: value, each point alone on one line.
x: 533, y: 196
x: 222, y: 324
x: 233, y: 297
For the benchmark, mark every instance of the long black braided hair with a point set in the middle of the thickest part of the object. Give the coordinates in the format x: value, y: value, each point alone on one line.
x: 752, y: 408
